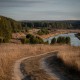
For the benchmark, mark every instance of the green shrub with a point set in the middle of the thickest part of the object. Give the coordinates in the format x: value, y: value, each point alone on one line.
x: 39, y: 39
x: 63, y: 40
x: 36, y: 40
x: 53, y: 41
x: 29, y: 36
x: 24, y: 41
x: 43, y: 31
x: 67, y: 40
x: 32, y: 39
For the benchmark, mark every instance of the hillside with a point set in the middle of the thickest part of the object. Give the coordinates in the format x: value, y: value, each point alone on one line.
x: 7, y: 26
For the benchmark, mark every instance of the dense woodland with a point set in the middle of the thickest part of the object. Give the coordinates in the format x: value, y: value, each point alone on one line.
x: 52, y: 24
x: 8, y: 26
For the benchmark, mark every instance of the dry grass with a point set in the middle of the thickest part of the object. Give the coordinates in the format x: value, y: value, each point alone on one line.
x: 71, y: 57
x: 9, y: 53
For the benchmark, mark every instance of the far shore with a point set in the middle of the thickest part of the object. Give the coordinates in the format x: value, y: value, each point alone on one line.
x: 57, y: 32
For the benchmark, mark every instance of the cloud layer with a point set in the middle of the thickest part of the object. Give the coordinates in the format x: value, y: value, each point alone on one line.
x: 40, y: 9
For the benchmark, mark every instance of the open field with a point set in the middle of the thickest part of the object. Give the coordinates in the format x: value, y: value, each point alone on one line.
x: 9, y: 53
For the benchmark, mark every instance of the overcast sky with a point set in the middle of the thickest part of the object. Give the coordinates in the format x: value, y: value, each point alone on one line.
x: 41, y: 9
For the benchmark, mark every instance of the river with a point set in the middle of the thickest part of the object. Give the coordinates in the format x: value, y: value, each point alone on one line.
x: 74, y: 40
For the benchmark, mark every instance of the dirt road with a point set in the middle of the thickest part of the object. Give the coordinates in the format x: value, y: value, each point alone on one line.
x: 17, y: 74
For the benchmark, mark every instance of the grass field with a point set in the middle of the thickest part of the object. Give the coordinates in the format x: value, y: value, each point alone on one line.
x: 9, y: 53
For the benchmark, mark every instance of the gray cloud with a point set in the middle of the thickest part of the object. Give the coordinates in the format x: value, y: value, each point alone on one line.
x: 40, y: 9
x: 17, y: 3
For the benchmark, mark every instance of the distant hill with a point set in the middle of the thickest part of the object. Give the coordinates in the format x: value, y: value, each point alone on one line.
x: 52, y: 24
x: 7, y: 26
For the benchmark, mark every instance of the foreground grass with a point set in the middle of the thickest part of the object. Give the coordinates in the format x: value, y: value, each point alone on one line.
x: 9, y: 53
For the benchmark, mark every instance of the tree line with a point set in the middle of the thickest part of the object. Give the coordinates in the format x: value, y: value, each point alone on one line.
x: 66, y: 24
x: 61, y: 40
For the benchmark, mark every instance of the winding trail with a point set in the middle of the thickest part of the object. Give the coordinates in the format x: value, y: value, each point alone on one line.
x: 54, y: 74
x: 17, y: 74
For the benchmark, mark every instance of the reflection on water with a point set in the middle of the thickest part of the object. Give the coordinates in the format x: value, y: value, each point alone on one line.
x: 74, y: 40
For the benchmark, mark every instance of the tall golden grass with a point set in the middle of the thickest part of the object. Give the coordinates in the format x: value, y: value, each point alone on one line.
x: 9, y: 53
x: 71, y: 57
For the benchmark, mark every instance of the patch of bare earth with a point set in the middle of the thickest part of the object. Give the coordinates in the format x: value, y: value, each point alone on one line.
x: 32, y: 70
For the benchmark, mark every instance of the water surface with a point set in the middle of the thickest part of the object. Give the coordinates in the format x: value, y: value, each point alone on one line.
x: 74, y: 40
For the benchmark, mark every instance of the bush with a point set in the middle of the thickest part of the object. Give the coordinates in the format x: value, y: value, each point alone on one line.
x: 43, y: 31
x: 53, y: 41
x: 39, y: 39
x: 24, y: 40
x: 32, y: 39
x: 36, y: 40
x: 65, y: 40
x: 29, y: 36
x: 61, y: 39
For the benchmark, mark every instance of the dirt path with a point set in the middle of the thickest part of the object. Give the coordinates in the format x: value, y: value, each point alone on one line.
x: 52, y: 71
x: 37, y: 68
x: 17, y: 72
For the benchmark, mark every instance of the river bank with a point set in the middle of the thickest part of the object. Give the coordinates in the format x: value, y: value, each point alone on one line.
x: 57, y: 32
x: 74, y: 41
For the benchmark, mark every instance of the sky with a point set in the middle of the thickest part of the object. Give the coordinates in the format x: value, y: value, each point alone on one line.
x: 41, y: 9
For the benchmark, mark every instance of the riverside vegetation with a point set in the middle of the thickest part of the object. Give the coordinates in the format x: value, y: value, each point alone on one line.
x: 32, y: 39
x: 61, y: 40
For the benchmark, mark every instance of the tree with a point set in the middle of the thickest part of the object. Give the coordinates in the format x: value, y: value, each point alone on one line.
x: 67, y: 40
x: 64, y: 40
x: 53, y: 41
x: 29, y: 36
